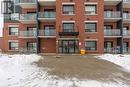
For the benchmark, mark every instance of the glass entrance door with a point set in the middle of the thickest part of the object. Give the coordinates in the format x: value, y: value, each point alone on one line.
x: 125, y: 47
x: 108, y: 46
x: 68, y: 46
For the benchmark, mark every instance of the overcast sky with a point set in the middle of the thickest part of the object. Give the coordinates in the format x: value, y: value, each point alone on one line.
x: 1, y: 21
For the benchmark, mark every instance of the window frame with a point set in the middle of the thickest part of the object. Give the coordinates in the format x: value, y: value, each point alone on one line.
x: 91, y: 30
x: 91, y: 12
x: 15, y: 48
x: 68, y: 12
x: 13, y: 33
x: 92, y: 48
x: 71, y: 30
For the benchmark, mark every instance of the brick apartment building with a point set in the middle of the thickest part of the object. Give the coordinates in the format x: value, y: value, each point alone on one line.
x: 67, y: 26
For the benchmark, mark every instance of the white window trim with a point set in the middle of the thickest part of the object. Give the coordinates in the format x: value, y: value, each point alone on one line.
x: 96, y: 42
x: 13, y: 26
x: 91, y: 40
x: 68, y: 21
x: 91, y: 3
x: 68, y: 3
x: 91, y: 21
x: 13, y: 41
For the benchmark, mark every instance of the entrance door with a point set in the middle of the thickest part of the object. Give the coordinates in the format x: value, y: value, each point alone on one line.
x: 68, y: 46
x: 108, y: 47
x: 125, y: 47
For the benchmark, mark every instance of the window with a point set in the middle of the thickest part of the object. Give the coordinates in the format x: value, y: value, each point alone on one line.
x: 13, y: 45
x: 91, y: 9
x: 31, y: 46
x: 13, y: 31
x: 108, y: 26
x: 90, y: 27
x: 91, y: 45
x: 31, y: 31
x: 68, y: 27
x: 49, y: 30
x: 125, y: 14
x: 68, y: 9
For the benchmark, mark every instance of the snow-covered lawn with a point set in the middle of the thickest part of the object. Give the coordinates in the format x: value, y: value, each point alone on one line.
x: 121, y: 60
x: 20, y: 71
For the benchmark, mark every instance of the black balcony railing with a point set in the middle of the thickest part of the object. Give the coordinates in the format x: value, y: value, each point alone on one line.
x: 69, y: 32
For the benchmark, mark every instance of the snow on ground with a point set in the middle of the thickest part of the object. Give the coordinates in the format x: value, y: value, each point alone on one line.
x: 121, y: 60
x: 20, y: 71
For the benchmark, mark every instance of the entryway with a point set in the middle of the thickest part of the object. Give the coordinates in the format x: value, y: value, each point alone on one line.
x: 68, y: 46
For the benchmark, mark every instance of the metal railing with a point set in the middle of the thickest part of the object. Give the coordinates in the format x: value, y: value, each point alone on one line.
x: 126, y: 50
x: 27, y: 16
x: 126, y: 15
x: 112, y: 50
x: 27, y: 1
x: 47, y: 32
x: 27, y: 33
x: 112, y: 32
x: 126, y: 33
x: 126, y: 1
x: 27, y: 50
x: 47, y: 14
x: 112, y: 14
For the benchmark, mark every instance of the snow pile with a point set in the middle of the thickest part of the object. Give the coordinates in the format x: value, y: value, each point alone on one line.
x: 121, y: 60
x: 20, y: 71
x: 17, y: 70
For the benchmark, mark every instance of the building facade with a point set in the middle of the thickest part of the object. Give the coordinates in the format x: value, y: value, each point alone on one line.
x: 66, y: 26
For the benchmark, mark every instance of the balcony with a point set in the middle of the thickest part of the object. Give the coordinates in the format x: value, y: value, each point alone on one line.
x: 112, y: 16
x: 111, y: 2
x: 69, y: 32
x: 126, y: 33
x: 27, y: 18
x: 126, y: 49
x: 28, y: 50
x: 112, y: 33
x: 126, y: 17
x: 27, y: 34
x: 114, y: 50
x: 28, y: 3
x: 126, y: 3
x: 47, y: 16
x: 47, y: 33
x: 47, y: 2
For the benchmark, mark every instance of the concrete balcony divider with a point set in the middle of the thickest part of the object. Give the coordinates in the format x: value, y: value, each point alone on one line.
x: 112, y: 32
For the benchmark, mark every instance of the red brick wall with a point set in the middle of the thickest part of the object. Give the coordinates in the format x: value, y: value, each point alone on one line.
x: 47, y: 45
x: 80, y: 19
x: 1, y: 44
